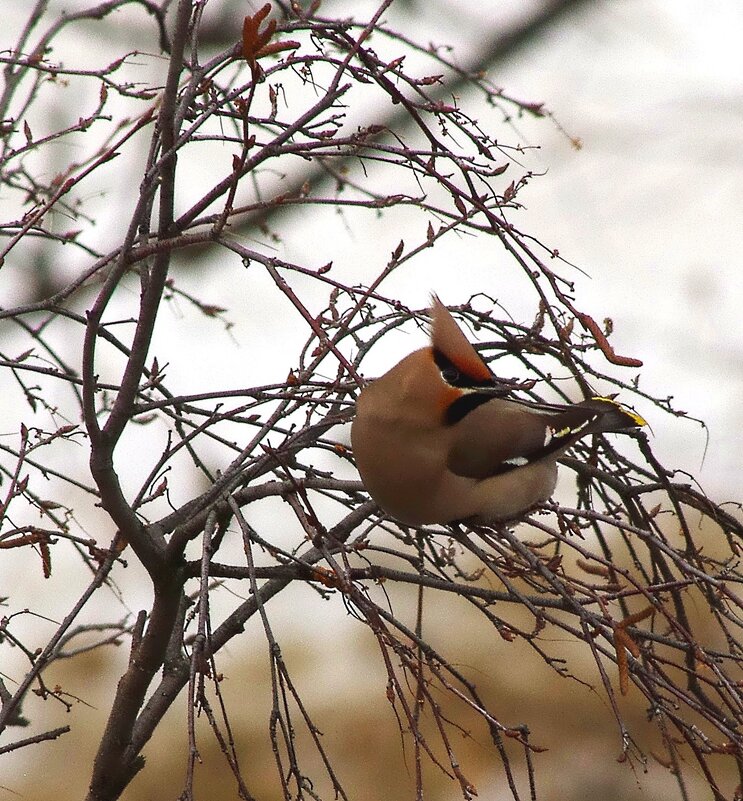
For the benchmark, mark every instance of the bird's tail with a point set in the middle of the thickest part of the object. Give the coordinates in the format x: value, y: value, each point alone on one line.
x: 612, y: 416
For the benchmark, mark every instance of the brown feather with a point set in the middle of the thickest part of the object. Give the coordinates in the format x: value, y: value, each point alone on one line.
x: 427, y: 454
x: 447, y: 337
x: 493, y: 433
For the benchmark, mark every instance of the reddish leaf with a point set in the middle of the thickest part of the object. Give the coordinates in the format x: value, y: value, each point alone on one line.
x: 46, y: 559
x: 253, y: 38
x: 594, y: 570
x: 277, y: 47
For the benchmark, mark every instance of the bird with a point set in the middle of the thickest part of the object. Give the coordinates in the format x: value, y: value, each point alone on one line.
x: 438, y: 439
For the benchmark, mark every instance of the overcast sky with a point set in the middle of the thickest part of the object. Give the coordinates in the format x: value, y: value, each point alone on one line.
x: 650, y: 207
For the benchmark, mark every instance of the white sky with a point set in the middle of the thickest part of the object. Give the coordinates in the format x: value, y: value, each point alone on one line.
x: 650, y: 207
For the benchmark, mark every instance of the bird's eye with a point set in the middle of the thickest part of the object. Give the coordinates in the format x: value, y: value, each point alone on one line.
x: 450, y: 375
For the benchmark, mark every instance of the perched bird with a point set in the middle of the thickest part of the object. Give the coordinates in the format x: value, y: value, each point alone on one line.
x: 436, y: 439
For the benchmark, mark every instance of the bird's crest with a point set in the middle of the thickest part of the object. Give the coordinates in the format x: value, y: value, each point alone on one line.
x: 450, y: 343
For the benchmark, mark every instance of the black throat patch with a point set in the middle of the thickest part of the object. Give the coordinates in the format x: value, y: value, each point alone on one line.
x: 463, y: 405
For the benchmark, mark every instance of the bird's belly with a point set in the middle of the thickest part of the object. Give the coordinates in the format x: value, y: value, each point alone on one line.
x: 414, y: 486
x: 508, y: 495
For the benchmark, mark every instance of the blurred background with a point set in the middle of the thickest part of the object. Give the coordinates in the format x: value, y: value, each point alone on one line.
x: 639, y: 184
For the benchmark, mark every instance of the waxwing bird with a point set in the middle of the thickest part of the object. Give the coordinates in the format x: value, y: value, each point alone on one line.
x: 437, y: 439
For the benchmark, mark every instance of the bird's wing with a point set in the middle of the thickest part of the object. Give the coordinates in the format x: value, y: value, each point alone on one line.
x: 494, y: 436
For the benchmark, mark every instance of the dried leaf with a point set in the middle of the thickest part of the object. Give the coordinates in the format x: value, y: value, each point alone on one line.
x: 537, y: 109
x: 593, y: 569
x: 46, y: 559
x: 592, y: 327
x: 253, y: 38
x: 623, y: 642
x: 622, y: 662
x: 630, y: 620
x: 428, y: 80
x: 324, y: 576
x: 724, y: 748
x: 506, y: 634
x: 554, y: 563
x: 211, y: 310
x: 567, y: 330
x: 277, y: 47
x: 23, y: 356
x: 256, y: 43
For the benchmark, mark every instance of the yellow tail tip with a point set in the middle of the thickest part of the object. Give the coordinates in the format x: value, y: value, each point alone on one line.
x: 640, y: 421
